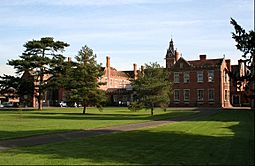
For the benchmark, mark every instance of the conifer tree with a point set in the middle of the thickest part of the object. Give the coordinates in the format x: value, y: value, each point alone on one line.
x: 41, y: 58
x: 152, y: 88
x: 82, y: 80
x: 245, y: 42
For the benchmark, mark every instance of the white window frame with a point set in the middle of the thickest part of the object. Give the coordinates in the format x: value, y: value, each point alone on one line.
x: 175, y: 97
x: 200, y: 97
x: 186, y: 77
x: 226, y: 95
x: 210, y: 75
x: 211, y: 98
x: 176, y: 77
x: 200, y: 76
x: 184, y: 94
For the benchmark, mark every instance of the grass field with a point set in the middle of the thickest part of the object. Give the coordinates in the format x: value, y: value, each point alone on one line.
x: 226, y: 138
x: 18, y: 123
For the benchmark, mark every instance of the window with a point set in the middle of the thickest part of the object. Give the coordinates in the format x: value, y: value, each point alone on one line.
x: 200, y: 77
x: 106, y: 81
x: 181, y: 65
x: 177, y: 95
x: 226, y: 95
x: 211, y: 94
x: 176, y: 77
x: 186, y: 94
x: 226, y: 77
x: 200, y: 95
x: 210, y: 76
x: 186, y: 77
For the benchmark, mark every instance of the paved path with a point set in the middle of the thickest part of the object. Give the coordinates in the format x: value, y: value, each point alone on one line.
x: 72, y: 135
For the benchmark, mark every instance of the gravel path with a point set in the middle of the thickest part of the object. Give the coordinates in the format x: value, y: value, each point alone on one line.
x: 72, y: 135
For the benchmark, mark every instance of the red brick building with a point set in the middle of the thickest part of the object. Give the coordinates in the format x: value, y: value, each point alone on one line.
x: 238, y: 92
x: 199, y: 83
x: 117, y: 87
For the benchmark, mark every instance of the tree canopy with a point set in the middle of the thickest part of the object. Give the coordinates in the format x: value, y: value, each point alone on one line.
x: 81, y: 80
x: 245, y: 42
x: 152, y: 88
x: 43, y: 59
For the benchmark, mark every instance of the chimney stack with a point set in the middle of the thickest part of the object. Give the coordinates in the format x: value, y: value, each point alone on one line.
x: 107, y: 61
x: 177, y: 55
x: 202, y: 57
x: 69, y: 59
x: 135, y: 71
x: 142, y: 70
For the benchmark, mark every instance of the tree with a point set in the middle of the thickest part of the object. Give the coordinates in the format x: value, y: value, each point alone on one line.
x: 81, y: 80
x: 41, y: 58
x: 152, y: 88
x: 14, y: 87
x: 246, y: 44
x: 9, y: 85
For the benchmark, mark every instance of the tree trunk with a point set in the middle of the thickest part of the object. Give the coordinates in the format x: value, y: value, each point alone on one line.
x: 39, y: 102
x: 84, y: 109
x: 40, y: 92
x: 152, y: 111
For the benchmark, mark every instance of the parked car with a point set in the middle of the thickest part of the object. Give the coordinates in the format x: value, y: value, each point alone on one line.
x: 7, y: 104
x: 62, y: 104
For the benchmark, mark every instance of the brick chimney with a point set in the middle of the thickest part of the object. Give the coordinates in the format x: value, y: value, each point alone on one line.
x: 69, y: 59
x: 135, y: 71
x: 108, y: 63
x: 177, y: 55
x: 202, y: 57
x: 142, y: 70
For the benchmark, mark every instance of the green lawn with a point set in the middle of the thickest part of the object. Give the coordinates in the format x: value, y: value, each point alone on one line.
x: 15, y: 124
x: 226, y: 138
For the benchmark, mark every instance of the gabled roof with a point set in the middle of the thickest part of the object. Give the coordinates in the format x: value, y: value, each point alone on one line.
x: 114, y: 72
x: 207, y: 62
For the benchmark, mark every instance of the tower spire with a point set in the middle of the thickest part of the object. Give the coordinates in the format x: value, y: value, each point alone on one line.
x: 170, y: 54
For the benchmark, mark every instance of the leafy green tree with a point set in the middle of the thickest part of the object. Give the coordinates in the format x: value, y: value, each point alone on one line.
x: 246, y: 44
x: 81, y: 80
x: 42, y: 58
x: 152, y: 88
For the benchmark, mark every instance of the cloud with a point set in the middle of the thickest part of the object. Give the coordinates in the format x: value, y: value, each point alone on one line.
x: 86, y: 2
x: 8, y: 70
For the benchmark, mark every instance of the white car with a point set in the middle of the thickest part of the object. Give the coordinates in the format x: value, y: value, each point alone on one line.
x: 62, y: 104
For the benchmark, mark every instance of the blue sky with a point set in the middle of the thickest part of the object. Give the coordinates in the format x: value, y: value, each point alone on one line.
x: 129, y: 31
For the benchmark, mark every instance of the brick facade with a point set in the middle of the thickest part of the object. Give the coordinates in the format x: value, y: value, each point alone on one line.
x: 199, y: 83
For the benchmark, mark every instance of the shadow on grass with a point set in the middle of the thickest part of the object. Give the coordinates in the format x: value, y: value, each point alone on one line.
x: 148, y: 147
x: 101, y: 116
x: 163, y: 145
x: 5, y: 135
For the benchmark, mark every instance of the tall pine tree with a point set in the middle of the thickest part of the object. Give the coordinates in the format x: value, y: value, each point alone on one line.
x: 41, y: 58
x: 82, y: 80
x: 152, y: 88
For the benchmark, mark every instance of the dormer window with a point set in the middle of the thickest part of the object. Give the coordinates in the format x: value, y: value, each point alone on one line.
x: 181, y: 65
